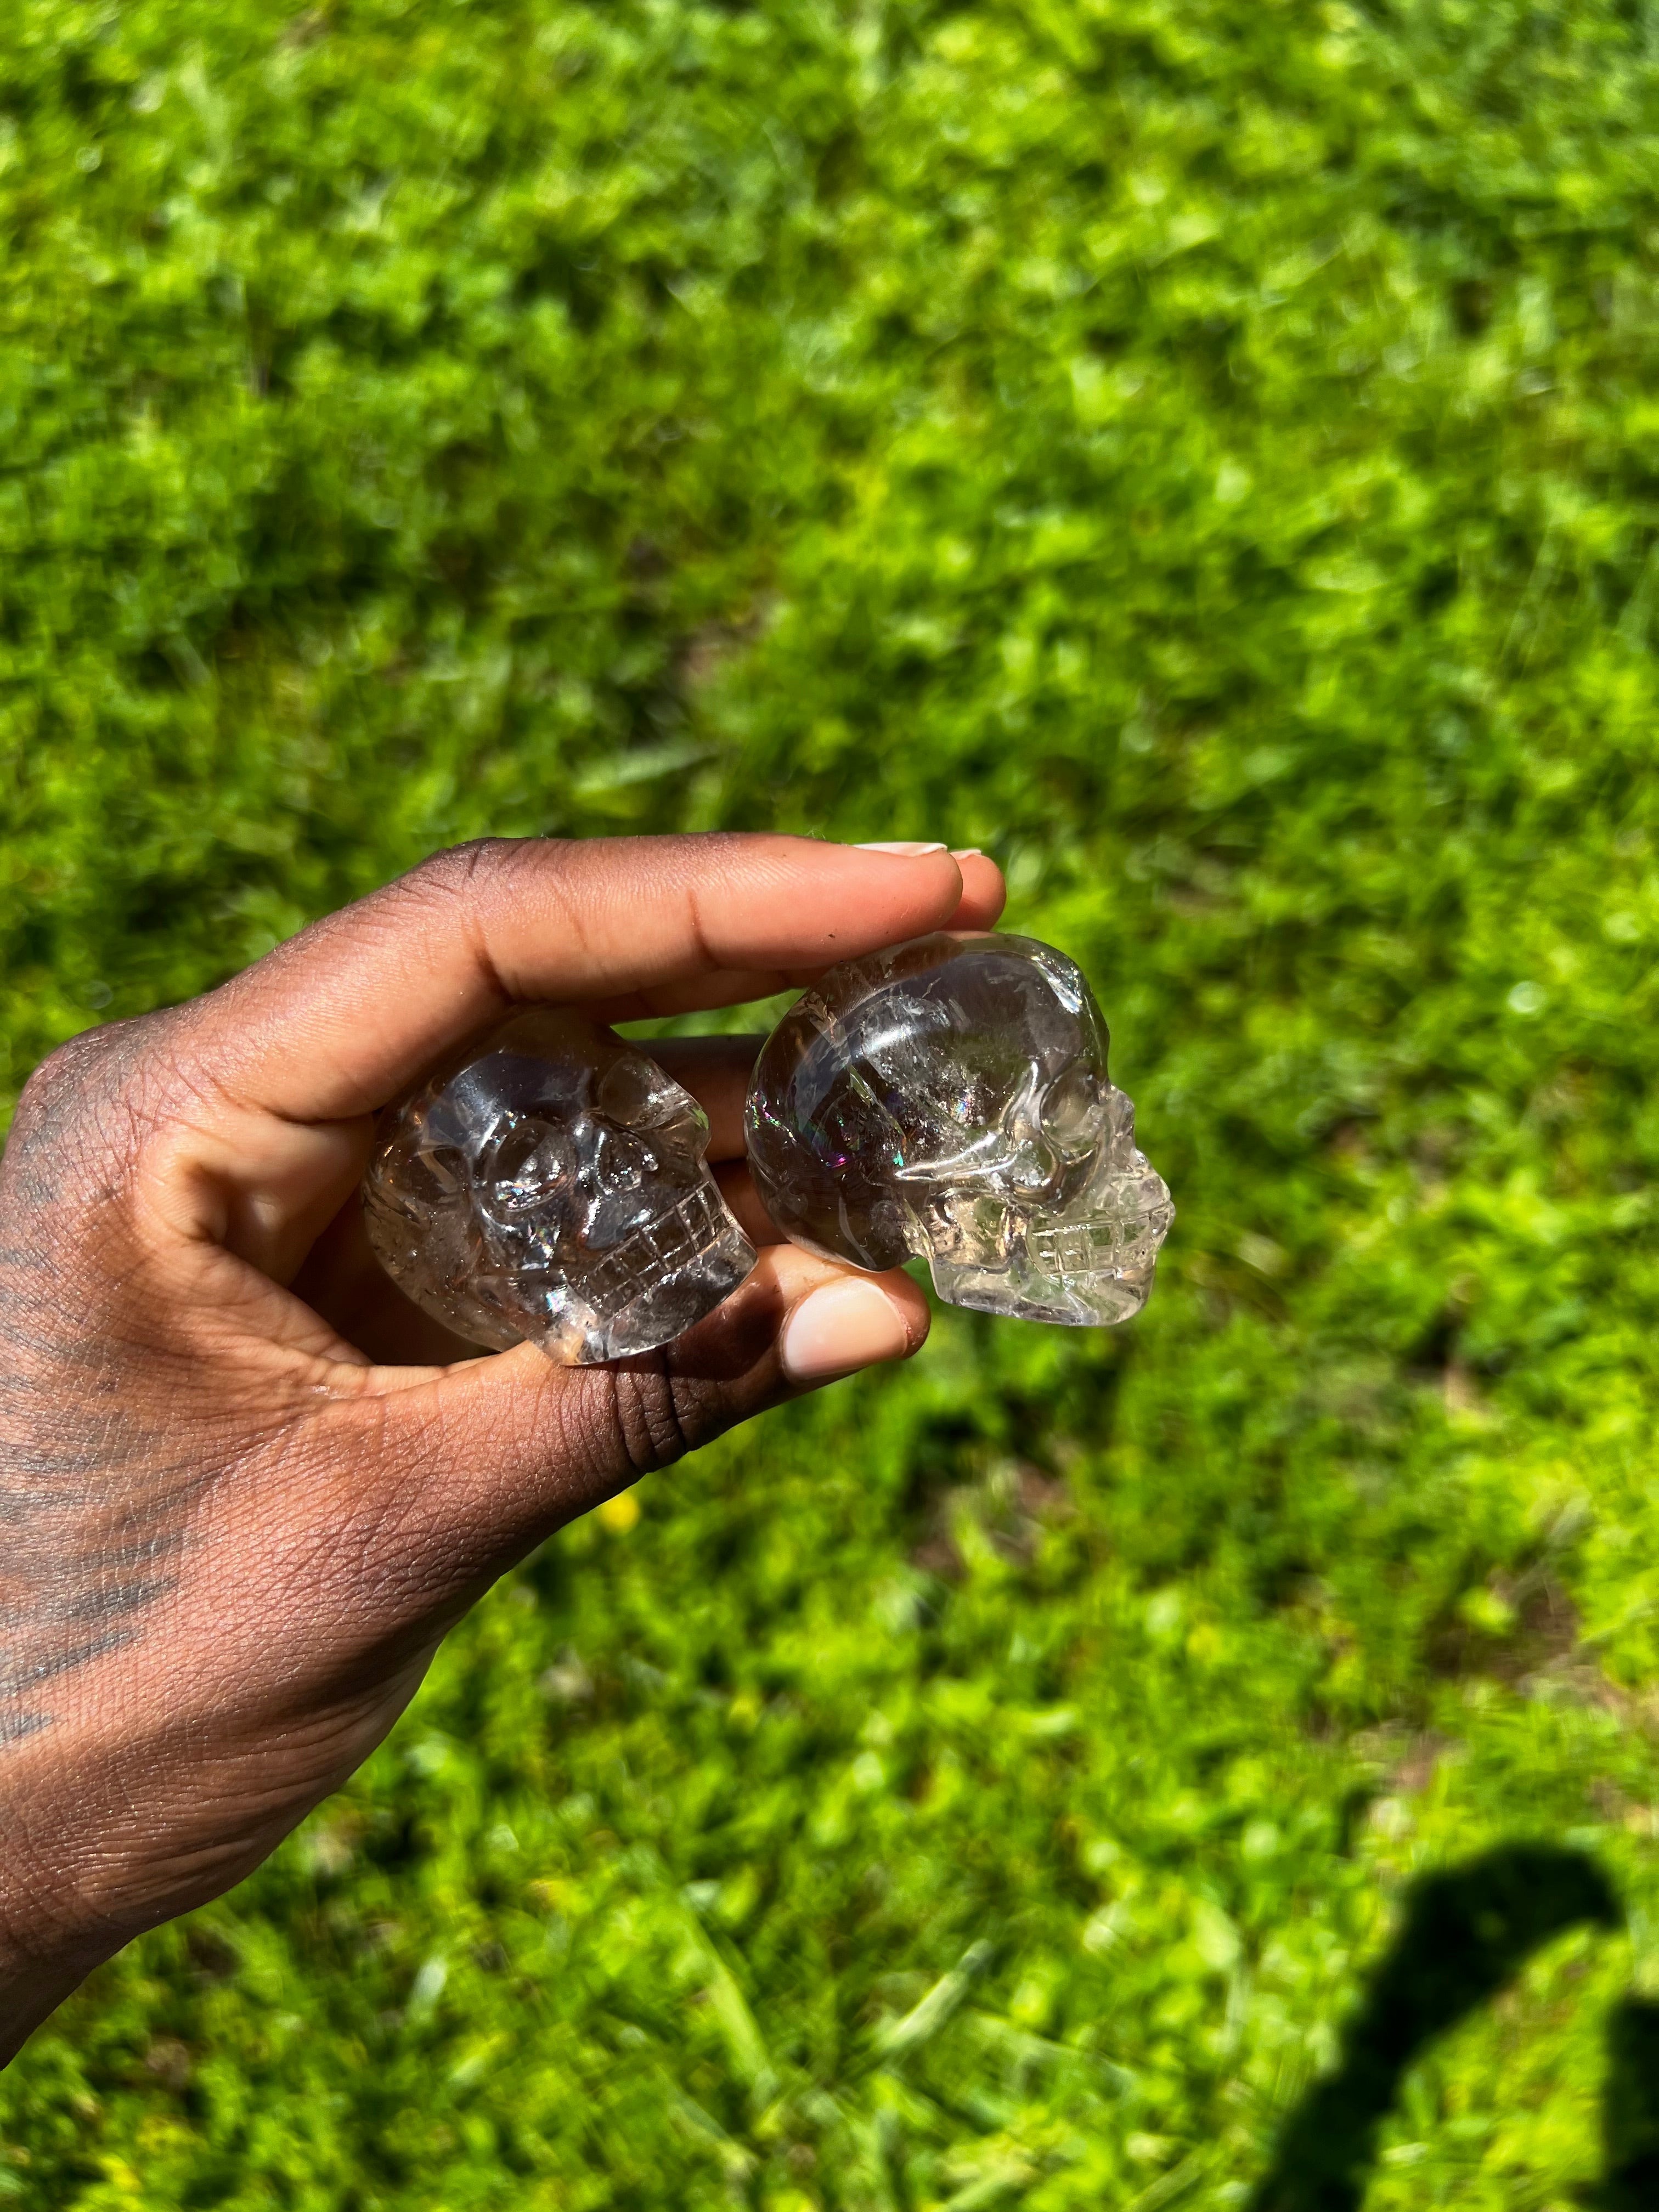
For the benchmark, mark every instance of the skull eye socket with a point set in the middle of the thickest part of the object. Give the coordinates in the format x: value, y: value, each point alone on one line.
x: 528, y: 1159
x: 1070, y: 1111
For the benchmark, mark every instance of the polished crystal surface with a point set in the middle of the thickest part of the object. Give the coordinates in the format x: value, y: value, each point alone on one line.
x: 949, y: 1099
x: 552, y: 1185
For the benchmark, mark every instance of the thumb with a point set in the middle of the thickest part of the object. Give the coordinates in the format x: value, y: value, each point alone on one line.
x: 486, y: 1459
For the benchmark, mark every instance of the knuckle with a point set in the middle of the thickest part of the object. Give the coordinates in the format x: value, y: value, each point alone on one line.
x: 61, y: 1075
x: 70, y: 1078
x: 468, y: 888
x: 87, y: 1104
x: 463, y: 871
x: 658, y: 1417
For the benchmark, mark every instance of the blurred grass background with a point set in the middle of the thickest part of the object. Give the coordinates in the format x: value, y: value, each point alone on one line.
x: 1206, y: 451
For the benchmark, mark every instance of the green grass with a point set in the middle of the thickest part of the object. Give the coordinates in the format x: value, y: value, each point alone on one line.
x: 1205, y: 452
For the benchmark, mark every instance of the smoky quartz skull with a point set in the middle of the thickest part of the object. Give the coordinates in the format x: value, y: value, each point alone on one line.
x: 949, y: 1100
x: 551, y: 1185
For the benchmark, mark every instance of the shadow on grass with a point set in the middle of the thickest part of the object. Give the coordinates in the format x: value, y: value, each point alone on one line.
x: 1466, y: 1934
x: 1630, y: 2114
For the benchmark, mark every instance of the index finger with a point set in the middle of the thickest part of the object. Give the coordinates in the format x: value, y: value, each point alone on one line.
x: 343, y: 1017
x: 716, y: 1071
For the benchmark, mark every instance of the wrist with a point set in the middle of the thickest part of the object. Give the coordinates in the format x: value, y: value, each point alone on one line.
x: 52, y: 1933
x: 42, y: 1960
x: 30, y: 1993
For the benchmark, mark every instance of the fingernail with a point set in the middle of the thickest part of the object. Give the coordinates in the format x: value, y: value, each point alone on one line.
x: 839, y: 1328
x: 967, y: 852
x: 904, y: 852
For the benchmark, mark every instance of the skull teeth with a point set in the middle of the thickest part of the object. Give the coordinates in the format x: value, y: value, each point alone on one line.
x: 663, y: 1247
x: 1099, y: 1247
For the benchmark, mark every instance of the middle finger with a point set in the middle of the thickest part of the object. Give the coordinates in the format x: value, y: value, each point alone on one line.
x: 716, y: 1071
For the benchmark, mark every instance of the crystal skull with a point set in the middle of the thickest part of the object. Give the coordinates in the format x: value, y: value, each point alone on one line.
x: 551, y: 1183
x: 949, y: 1100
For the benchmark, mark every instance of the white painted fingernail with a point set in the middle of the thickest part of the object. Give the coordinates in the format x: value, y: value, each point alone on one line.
x: 904, y: 852
x: 840, y: 1329
x: 966, y: 853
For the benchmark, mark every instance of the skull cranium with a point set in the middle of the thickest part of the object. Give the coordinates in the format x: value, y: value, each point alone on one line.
x: 950, y: 1099
x: 553, y: 1186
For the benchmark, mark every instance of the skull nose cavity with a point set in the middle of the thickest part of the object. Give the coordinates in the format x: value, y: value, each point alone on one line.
x: 621, y: 1162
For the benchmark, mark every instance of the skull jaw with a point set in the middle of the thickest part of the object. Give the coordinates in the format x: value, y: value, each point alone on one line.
x: 642, y: 1294
x: 1090, y: 1267
x: 579, y: 1310
x: 1017, y: 1293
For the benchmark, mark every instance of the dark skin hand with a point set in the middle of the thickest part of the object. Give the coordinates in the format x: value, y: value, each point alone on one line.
x: 246, y: 1487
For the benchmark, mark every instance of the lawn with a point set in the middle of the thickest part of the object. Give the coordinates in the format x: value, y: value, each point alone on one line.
x: 1206, y: 453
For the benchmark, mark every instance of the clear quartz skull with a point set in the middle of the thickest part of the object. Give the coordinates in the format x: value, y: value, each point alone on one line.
x: 949, y: 1099
x: 551, y: 1183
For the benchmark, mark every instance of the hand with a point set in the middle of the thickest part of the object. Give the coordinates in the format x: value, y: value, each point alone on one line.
x: 247, y: 1487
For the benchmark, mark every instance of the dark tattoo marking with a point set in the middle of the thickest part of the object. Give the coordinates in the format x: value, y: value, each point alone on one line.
x: 94, y: 1501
